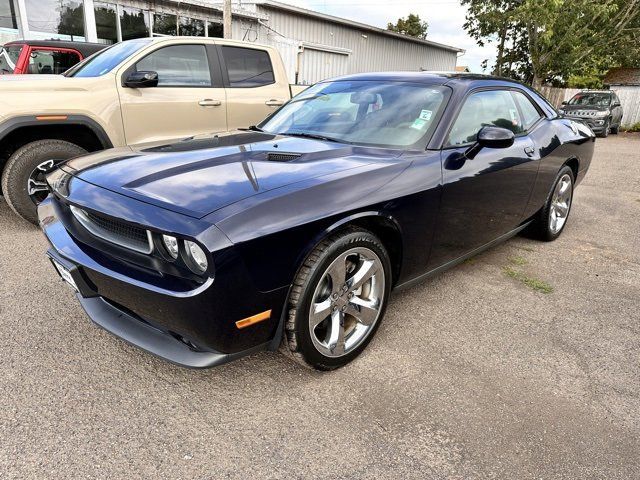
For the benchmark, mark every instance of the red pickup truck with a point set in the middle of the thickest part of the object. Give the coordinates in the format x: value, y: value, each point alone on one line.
x: 43, y: 56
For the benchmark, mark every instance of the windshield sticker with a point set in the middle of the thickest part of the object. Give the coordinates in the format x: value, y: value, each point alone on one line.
x: 418, y: 124
x: 425, y: 115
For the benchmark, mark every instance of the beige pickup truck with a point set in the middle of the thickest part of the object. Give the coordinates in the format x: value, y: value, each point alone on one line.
x: 138, y: 91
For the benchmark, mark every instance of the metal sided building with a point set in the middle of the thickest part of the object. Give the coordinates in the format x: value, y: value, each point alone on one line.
x: 314, y: 46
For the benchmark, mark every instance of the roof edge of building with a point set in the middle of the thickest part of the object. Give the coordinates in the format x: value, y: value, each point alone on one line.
x: 352, y: 23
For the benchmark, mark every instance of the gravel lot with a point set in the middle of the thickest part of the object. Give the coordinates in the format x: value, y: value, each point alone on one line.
x: 474, y: 374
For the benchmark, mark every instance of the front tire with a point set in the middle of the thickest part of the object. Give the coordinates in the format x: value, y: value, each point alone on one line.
x: 552, y: 218
x: 338, y: 300
x: 23, y: 183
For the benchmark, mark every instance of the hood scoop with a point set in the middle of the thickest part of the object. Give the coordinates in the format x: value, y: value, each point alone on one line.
x: 282, y: 156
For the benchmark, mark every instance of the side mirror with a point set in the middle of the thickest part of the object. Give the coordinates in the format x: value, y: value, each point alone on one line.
x: 141, y: 80
x: 491, y: 137
x: 616, y: 104
x: 564, y: 102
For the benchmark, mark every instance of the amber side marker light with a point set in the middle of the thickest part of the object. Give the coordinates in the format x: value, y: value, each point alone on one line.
x: 44, y: 118
x: 260, y: 317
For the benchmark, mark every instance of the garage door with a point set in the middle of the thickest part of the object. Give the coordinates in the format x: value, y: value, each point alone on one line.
x: 319, y: 65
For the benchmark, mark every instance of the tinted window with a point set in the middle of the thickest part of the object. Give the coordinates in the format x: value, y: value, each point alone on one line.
x: 64, y: 17
x: 386, y: 114
x: 248, y: 67
x: 8, y: 14
x: 493, y: 107
x: 530, y: 114
x: 106, y: 22
x: 108, y: 59
x: 179, y: 66
x: 51, y: 61
x: 8, y: 58
x: 134, y: 23
x: 165, y: 24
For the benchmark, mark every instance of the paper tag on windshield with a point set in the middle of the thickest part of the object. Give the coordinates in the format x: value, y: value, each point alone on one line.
x: 418, y: 124
x: 425, y: 115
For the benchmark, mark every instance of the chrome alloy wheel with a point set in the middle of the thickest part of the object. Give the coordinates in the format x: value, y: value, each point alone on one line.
x: 347, y: 302
x: 37, y: 188
x: 560, y: 204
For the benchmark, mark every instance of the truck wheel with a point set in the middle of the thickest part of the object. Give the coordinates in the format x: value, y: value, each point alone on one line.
x: 337, y: 300
x: 23, y: 183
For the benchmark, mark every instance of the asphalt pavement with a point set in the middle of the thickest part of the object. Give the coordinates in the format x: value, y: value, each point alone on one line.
x: 523, y: 362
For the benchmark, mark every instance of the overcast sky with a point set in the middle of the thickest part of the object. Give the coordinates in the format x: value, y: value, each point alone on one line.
x: 445, y: 19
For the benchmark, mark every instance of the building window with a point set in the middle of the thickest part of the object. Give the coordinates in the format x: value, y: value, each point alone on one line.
x: 165, y: 24
x: 62, y: 17
x: 106, y: 22
x: 134, y: 23
x: 191, y: 27
x: 8, y: 14
x: 215, y: 29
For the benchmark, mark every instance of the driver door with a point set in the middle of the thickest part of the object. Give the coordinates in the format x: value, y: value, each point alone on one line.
x: 484, y: 197
x: 189, y: 99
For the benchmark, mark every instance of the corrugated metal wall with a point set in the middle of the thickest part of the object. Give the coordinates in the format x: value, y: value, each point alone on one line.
x: 630, y: 100
x: 368, y: 51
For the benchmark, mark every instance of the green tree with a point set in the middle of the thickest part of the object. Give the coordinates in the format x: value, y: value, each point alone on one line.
x: 552, y: 40
x: 412, y: 26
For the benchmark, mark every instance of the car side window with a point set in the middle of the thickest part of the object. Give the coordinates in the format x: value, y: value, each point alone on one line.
x: 178, y: 66
x: 248, y: 67
x: 52, y: 61
x: 487, y: 108
x: 530, y: 113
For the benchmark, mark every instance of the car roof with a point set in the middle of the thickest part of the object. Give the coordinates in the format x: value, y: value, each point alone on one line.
x: 85, y: 48
x: 432, y: 78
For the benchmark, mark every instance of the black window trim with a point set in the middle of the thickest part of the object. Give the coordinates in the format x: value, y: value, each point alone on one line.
x: 225, y: 71
x: 215, y: 71
x: 509, y: 89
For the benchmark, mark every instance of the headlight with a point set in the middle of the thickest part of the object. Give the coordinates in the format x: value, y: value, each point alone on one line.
x: 171, y: 244
x: 198, y: 259
x: 604, y: 114
x: 561, y: 111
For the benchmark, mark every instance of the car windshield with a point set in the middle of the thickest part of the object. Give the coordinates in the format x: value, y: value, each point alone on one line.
x: 591, y: 99
x: 9, y: 57
x: 106, y: 60
x: 383, y: 114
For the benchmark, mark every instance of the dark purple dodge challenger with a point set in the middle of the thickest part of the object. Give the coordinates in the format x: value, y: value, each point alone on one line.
x: 294, y: 232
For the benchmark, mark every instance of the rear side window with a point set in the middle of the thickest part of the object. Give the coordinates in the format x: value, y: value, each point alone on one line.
x: 489, y: 108
x: 179, y: 66
x: 8, y: 58
x: 248, y: 67
x: 530, y: 114
x: 52, y: 61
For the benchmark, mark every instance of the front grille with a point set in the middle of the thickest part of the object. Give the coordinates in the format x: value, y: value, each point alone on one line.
x: 115, y: 231
x: 283, y: 157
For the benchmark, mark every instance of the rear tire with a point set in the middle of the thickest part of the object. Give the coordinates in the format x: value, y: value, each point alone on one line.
x: 337, y: 300
x: 550, y: 221
x: 23, y: 176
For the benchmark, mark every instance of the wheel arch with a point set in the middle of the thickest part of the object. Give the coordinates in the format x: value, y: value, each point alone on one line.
x: 78, y: 129
x: 381, y: 224
x: 574, y: 164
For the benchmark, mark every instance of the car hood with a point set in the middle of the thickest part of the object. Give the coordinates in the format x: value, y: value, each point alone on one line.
x: 200, y: 175
x: 583, y: 108
x: 35, y: 83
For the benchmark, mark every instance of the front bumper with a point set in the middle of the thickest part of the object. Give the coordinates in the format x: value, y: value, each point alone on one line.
x: 594, y: 123
x: 192, y: 328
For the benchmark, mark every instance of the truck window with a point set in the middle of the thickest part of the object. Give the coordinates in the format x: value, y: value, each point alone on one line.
x: 178, y: 66
x: 248, y: 67
x: 52, y: 61
x: 8, y: 58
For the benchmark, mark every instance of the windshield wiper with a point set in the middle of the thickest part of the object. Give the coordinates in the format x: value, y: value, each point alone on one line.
x: 312, y: 135
x: 252, y: 128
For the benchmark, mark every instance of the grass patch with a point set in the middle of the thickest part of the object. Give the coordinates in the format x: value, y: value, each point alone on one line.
x: 519, y: 261
x: 533, y: 283
x: 470, y: 261
x: 527, y: 249
x: 632, y: 128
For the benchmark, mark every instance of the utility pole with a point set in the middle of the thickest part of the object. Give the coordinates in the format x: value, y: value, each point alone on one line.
x: 226, y: 18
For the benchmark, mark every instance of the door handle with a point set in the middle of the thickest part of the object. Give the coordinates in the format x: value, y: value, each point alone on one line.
x: 208, y: 102
x: 529, y: 151
x: 274, y: 103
